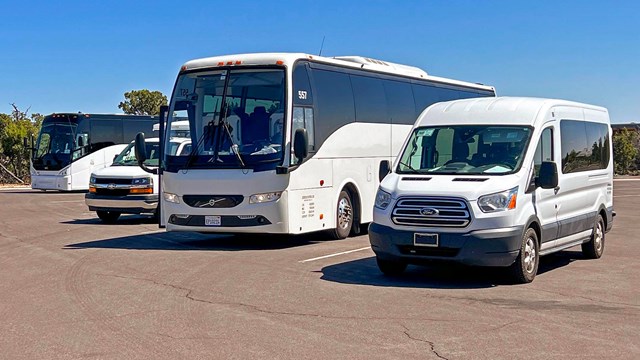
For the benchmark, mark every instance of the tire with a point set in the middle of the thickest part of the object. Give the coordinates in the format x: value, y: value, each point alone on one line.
x: 391, y: 267
x: 594, y: 248
x: 344, y: 217
x: 108, y: 217
x: 525, y: 268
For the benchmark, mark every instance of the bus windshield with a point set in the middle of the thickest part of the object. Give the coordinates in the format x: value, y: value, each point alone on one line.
x: 56, y: 146
x: 465, y: 150
x: 235, y: 118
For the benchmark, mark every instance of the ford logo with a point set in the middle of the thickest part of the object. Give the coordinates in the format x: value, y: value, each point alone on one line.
x: 429, y: 211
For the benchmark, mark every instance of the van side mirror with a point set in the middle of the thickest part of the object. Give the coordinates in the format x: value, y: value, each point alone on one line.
x: 301, y: 144
x: 140, y: 147
x: 384, y: 170
x: 548, y: 177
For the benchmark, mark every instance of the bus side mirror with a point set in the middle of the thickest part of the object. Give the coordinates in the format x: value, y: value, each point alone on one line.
x: 141, y: 153
x: 384, y: 170
x: 301, y: 144
x: 548, y: 177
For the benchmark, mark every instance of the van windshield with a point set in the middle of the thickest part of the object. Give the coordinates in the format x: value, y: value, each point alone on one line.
x: 465, y: 150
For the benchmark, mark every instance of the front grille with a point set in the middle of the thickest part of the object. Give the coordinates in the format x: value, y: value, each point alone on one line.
x: 431, y: 212
x: 112, y: 192
x: 113, y: 181
x: 213, y: 201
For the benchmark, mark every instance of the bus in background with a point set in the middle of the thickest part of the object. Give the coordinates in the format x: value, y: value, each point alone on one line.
x: 71, y: 146
x: 290, y: 143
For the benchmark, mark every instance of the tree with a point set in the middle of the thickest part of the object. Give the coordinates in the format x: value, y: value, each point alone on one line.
x: 142, y: 102
x: 625, y: 150
x: 14, y: 157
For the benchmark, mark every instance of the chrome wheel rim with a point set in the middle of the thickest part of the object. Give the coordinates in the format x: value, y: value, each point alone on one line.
x: 344, y: 213
x: 530, y: 255
x: 598, y: 236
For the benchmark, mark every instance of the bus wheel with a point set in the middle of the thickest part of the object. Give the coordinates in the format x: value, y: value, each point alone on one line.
x: 108, y: 217
x: 344, y: 216
x: 595, y: 247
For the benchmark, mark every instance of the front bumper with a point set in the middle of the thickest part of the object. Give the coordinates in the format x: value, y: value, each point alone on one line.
x: 128, y: 204
x: 491, y: 247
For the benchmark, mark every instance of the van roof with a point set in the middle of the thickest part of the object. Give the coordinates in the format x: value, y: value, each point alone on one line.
x: 490, y: 110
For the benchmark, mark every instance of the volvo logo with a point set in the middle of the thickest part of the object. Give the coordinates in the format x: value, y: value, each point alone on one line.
x: 429, y: 211
x: 212, y: 202
x: 111, y: 186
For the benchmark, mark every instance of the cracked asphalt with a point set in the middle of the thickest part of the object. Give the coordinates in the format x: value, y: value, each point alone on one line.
x: 74, y: 288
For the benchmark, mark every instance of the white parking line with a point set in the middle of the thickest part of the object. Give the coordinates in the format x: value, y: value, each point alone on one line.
x: 336, y: 254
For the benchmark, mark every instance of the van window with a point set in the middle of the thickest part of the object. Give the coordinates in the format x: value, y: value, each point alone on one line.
x: 544, y: 150
x: 585, y: 146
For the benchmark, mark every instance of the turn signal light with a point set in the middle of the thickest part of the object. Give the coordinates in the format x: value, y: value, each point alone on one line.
x: 92, y: 190
x: 142, y: 191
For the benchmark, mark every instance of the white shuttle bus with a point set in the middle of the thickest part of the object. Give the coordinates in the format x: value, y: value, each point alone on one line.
x: 497, y: 182
x: 71, y: 146
x: 290, y: 143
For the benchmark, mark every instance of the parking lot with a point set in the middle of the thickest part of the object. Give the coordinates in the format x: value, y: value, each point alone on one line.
x: 72, y: 287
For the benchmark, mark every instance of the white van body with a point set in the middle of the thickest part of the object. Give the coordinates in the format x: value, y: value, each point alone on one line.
x: 465, y: 187
x: 124, y: 188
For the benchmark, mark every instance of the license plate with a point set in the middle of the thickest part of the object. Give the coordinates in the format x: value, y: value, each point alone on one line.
x: 425, y: 240
x: 212, y: 220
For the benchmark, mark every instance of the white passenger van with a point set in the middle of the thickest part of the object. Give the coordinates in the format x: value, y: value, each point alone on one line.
x: 497, y: 182
x: 124, y: 188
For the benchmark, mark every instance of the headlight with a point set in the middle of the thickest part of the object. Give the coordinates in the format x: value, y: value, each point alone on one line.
x: 263, y: 198
x: 92, y: 180
x: 383, y: 199
x: 505, y: 200
x: 172, y: 198
x: 141, y: 181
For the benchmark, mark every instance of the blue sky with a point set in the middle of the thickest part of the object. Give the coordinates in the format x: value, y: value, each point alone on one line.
x: 84, y: 55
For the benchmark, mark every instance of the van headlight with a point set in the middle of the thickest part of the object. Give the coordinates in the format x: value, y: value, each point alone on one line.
x: 172, y: 198
x: 92, y: 180
x: 383, y: 199
x: 263, y: 198
x: 141, y: 181
x: 501, y: 201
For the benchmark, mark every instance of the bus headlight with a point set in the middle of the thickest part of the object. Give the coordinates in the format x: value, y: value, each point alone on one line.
x: 263, y: 198
x: 501, y: 201
x: 172, y: 198
x: 383, y: 199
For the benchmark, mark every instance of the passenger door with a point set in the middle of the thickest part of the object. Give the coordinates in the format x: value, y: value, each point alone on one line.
x: 545, y: 200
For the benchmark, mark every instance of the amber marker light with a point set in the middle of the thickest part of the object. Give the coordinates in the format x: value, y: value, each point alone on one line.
x: 183, y: 68
x: 221, y: 63
x: 92, y: 189
x: 142, y: 191
x: 238, y: 62
x: 279, y: 62
x: 321, y: 216
x: 512, y: 202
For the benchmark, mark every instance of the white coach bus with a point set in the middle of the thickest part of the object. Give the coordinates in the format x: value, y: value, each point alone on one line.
x: 290, y: 143
x: 71, y: 146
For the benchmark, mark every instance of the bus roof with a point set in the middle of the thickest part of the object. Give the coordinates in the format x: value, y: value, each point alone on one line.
x: 288, y: 59
x: 103, y: 116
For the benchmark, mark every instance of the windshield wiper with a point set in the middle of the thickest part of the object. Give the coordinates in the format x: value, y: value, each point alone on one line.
x: 410, y: 167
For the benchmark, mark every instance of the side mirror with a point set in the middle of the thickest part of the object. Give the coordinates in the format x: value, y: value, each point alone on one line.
x: 141, y: 153
x: 301, y: 144
x: 384, y: 170
x: 548, y: 177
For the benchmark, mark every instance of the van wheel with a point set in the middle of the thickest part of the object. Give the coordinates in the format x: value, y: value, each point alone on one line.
x: 594, y: 248
x: 524, y: 269
x: 391, y: 267
x: 108, y: 217
x: 344, y: 217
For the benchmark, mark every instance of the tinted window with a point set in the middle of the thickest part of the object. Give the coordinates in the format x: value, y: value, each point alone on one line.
x: 585, y: 146
x: 370, y: 100
x: 106, y: 133
x: 424, y: 96
x: 400, y: 102
x: 334, y: 102
x: 302, y: 94
x: 132, y: 127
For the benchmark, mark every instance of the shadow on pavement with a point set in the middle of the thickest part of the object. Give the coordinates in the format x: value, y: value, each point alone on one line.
x: 123, y: 220
x: 195, y: 241
x: 436, y: 275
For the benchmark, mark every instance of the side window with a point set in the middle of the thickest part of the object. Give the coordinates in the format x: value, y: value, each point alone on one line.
x: 585, y: 146
x: 302, y: 94
x: 302, y: 119
x: 400, y: 102
x: 544, y: 150
x: 370, y: 101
